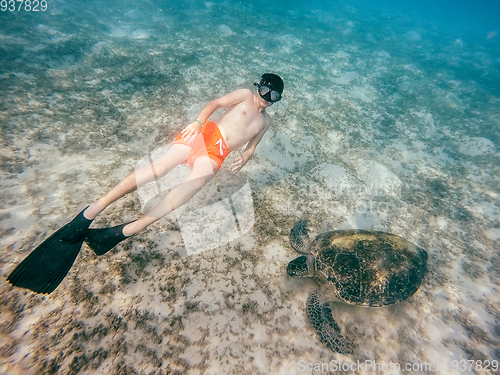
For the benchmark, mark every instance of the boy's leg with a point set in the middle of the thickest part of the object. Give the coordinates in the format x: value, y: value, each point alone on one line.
x: 204, y: 169
x: 177, y: 154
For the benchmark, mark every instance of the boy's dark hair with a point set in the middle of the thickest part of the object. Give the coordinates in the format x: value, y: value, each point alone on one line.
x: 273, y: 81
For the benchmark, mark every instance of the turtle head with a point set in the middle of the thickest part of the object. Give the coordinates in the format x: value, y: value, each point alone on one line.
x: 302, y: 266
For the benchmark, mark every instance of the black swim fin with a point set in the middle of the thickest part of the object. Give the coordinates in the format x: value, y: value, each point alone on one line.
x: 44, y: 269
x: 101, y: 240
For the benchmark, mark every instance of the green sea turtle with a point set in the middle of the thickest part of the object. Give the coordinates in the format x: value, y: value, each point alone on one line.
x: 358, y: 267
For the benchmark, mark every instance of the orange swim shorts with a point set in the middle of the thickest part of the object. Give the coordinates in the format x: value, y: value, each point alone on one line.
x: 208, y: 143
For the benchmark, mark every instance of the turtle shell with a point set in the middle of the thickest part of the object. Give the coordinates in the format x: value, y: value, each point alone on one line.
x: 369, y: 268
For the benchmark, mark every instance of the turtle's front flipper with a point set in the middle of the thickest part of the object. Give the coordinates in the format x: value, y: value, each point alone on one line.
x: 299, y: 237
x: 320, y: 315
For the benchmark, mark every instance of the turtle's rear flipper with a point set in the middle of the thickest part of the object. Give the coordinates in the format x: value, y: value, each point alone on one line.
x: 320, y: 315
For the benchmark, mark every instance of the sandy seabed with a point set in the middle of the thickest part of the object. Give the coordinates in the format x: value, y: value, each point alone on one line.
x: 384, y: 125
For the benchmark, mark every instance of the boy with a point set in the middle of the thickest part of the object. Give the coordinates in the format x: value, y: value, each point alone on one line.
x: 202, y: 144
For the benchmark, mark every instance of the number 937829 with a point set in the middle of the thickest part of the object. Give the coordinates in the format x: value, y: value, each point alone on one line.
x: 23, y: 5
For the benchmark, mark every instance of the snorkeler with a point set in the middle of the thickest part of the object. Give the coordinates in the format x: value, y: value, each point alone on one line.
x: 203, y: 145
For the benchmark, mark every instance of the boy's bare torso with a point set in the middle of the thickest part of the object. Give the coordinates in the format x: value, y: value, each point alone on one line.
x: 242, y: 122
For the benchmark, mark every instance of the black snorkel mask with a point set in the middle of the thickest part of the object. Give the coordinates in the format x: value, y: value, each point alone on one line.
x: 268, y: 93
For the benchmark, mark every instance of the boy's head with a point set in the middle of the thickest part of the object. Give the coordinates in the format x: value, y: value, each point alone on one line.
x: 270, y: 87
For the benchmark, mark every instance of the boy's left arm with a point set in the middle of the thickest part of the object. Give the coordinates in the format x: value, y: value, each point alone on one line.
x: 240, y: 161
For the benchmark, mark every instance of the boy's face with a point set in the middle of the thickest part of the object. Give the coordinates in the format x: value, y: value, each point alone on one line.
x: 263, y: 102
x: 267, y: 95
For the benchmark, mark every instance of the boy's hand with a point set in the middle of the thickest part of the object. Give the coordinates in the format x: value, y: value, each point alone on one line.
x: 190, y: 131
x: 239, y: 162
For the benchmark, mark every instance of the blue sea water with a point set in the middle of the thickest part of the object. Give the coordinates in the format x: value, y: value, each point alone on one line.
x: 389, y: 121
